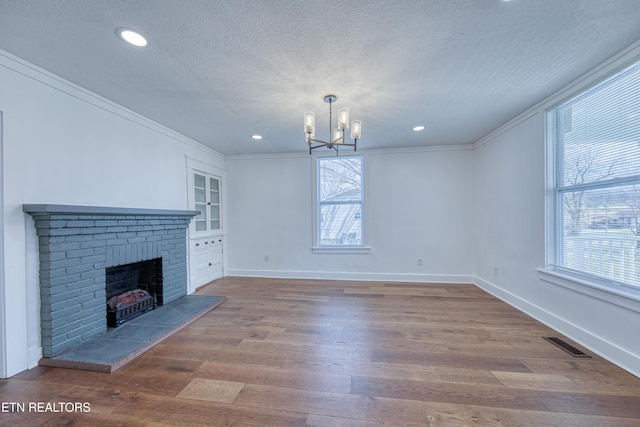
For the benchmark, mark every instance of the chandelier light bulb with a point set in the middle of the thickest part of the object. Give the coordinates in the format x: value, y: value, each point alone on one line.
x: 338, y: 136
x: 343, y: 118
x: 356, y: 129
x: 309, y: 122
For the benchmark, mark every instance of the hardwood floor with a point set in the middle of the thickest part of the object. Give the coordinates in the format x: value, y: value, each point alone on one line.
x: 332, y: 353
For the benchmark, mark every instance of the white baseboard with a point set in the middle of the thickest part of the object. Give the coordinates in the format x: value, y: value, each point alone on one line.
x: 33, y: 357
x: 347, y: 275
x: 597, y: 344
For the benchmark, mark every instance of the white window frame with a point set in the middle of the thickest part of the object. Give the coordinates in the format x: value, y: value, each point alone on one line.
x: 602, y: 288
x: 317, y: 248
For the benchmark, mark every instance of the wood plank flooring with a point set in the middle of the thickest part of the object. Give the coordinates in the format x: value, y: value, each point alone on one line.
x: 285, y: 352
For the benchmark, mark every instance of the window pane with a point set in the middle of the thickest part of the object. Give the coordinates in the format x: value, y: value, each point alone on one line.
x: 213, y: 184
x: 340, y: 201
x: 215, y: 197
x: 598, y: 133
x: 600, y: 233
x: 214, y: 212
x: 200, y: 192
x: 341, y: 177
x: 201, y: 208
x: 200, y: 195
x: 340, y: 224
x: 199, y: 180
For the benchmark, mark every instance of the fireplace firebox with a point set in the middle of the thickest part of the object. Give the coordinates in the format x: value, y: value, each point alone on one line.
x: 133, y: 289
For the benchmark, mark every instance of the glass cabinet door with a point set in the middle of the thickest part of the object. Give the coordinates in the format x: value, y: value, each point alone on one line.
x: 214, y: 207
x: 207, y: 202
x: 201, y: 201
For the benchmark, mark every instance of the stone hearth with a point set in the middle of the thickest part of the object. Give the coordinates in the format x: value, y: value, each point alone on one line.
x: 76, y: 246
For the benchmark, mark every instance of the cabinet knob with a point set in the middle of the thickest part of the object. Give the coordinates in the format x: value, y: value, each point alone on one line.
x: 206, y: 243
x: 210, y: 264
x: 197, y: 244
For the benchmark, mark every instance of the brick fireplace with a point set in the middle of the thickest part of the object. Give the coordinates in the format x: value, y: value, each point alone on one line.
x: 77, y: 244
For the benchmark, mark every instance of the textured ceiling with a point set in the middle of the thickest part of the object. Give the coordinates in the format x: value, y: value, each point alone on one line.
x: 219, y: 71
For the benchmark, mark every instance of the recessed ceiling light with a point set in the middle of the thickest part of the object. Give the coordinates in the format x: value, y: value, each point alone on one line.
x: 418, y: 128
x: 256, y: 136
x: 132, y: 37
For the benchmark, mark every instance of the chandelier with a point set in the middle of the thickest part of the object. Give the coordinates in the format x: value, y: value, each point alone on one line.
x: 336, y: 135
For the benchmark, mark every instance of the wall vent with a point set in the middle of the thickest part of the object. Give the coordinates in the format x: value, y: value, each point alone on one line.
x: 566, y: 347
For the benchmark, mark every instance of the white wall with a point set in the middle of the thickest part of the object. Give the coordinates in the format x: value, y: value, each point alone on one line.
x: 509, y: 187
x: 417, y: 205
x: 509, y: 195
x: 64, y: 145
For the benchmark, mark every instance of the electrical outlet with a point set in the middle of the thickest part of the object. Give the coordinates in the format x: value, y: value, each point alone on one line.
x: 266, y: 257
x: 419, y: 262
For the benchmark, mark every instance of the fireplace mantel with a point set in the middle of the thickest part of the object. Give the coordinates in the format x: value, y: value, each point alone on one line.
x: 100, y: 210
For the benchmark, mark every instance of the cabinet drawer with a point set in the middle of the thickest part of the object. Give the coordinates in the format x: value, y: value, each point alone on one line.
x: 205, y: 242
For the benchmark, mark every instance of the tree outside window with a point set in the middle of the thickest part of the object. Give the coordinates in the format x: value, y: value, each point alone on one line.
x: 340, y: 201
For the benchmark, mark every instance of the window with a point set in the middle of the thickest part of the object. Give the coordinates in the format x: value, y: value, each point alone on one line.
x: 339, y: 202
x: 596, y: 184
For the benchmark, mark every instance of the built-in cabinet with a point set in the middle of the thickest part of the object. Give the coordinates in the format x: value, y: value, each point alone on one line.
x: 206, y: 237
x: 206, y: 259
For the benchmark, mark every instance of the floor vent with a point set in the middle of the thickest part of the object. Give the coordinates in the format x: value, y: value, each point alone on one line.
x: 566, y: 347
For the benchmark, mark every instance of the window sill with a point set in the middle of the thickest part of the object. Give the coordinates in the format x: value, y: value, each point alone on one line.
x: 618, y: 295
x: 341, y: 250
